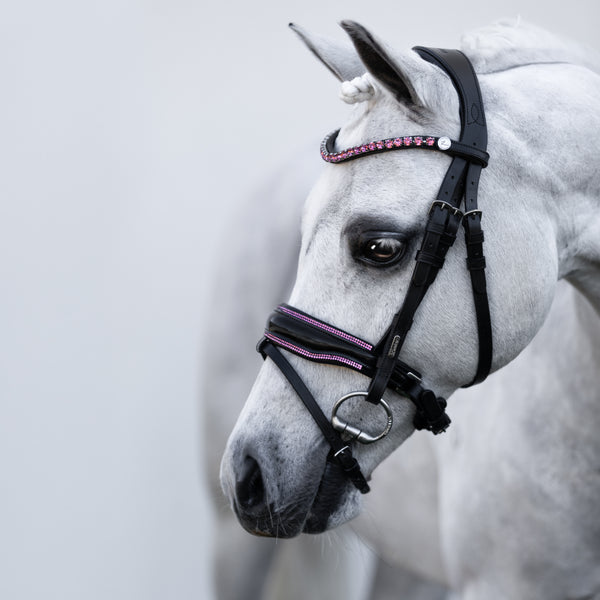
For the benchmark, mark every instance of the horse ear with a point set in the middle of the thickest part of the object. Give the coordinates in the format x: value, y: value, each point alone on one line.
x: 340, y: 58
x: 393, y: 73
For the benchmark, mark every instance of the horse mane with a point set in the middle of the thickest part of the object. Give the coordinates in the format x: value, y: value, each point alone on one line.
x: 509, y: 44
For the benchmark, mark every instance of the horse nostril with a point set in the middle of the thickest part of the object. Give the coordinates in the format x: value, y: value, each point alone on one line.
x: 249, y: 489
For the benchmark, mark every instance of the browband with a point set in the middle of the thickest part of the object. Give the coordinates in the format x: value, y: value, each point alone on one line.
x: 425, y: 142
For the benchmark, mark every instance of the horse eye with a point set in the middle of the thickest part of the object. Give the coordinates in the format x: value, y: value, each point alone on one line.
x: 380, y: 249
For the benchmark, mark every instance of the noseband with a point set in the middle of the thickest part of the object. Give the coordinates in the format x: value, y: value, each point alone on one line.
x: 304, y: 335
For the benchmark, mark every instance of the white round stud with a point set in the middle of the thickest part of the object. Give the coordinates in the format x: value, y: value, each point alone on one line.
x: 444, y: 143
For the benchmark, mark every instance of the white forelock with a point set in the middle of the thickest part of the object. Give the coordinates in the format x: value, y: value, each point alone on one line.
x: 360, y: 89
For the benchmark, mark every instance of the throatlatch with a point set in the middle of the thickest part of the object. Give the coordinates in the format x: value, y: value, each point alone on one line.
x: 297, y: 332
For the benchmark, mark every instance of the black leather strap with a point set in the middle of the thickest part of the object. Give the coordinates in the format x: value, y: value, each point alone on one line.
x: 476, y: 267
x: 440, y: 234
x: 461, y: 180
x: 458, y: 67
x: 341, y: 451
x: 469, y: 153
x: 474, y: 135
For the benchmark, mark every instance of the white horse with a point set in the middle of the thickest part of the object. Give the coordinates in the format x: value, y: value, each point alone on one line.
x: 518, y: 478
x: 246, y: 567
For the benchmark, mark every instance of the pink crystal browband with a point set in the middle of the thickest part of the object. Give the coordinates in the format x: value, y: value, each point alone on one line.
x: 427, y: 142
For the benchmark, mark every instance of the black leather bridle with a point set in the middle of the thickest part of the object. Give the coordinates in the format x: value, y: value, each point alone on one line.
x: 315, y: 340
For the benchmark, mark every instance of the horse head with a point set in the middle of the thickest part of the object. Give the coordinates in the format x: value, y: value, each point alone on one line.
x: 363, y: 224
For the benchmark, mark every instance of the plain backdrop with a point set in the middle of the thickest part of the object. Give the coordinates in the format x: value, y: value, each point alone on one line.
x: 128, y: 132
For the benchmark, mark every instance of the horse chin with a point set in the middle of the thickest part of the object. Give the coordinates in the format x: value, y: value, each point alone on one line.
x: 333, y: 503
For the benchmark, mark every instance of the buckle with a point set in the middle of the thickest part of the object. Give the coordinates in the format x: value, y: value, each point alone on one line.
x: 446, y: 205
x: 472, y: 213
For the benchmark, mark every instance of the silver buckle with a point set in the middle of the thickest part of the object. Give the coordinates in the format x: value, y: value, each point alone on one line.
x: 447, y: 205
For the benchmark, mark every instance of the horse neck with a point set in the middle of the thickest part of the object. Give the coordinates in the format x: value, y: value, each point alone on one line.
x: 584, y: 268
x: 578, y: 234
x: 570, y: 346
x: 562, y: 175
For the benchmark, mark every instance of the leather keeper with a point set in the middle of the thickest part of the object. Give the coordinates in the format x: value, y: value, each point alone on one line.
x: 431, y: 259
x: 475, y: 263
x: 475, y: 237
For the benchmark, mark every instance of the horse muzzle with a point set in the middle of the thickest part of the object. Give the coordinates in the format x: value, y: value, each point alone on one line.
x: 309, y: 501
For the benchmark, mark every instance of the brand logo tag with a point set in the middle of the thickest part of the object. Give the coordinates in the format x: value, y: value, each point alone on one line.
x: 394, y: 346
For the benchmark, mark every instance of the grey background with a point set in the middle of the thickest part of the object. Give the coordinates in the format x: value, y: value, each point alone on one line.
x: 129, y: 130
